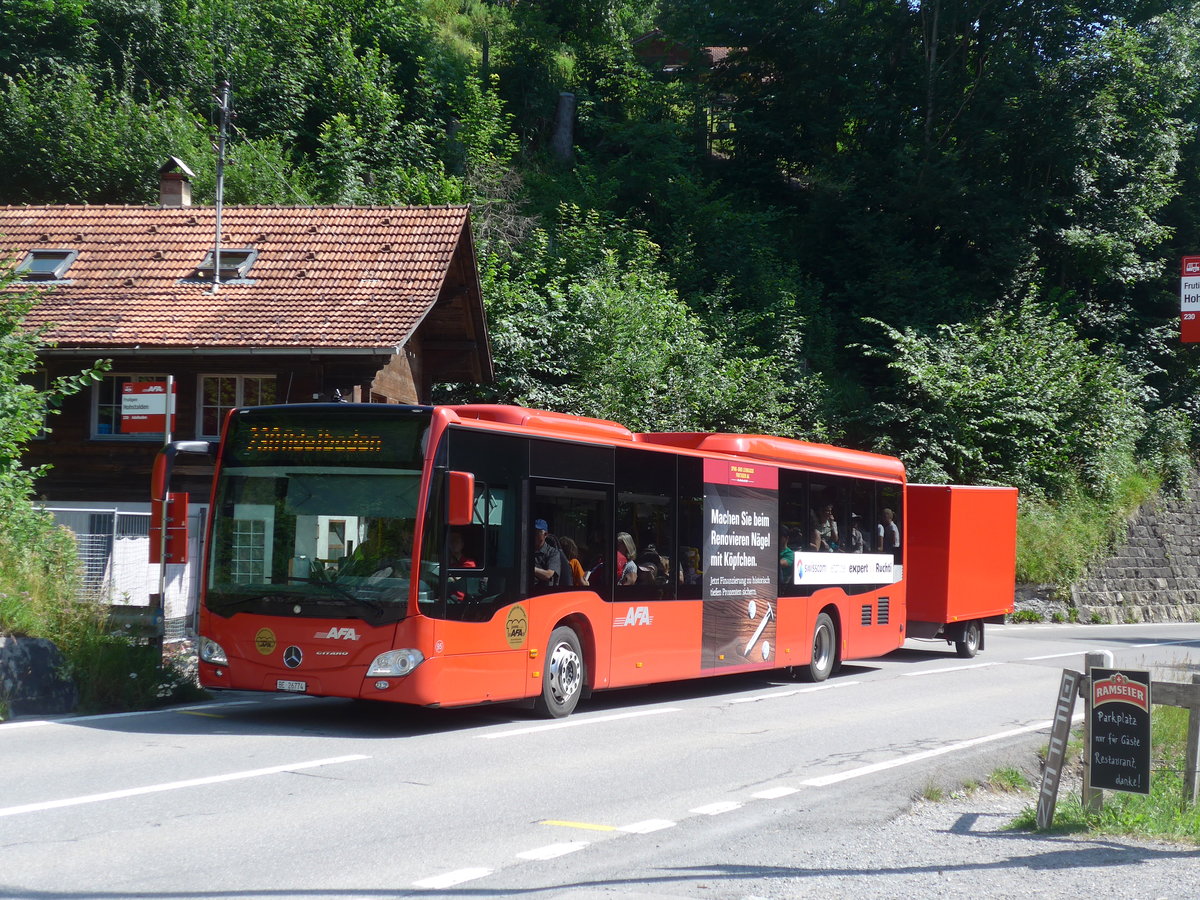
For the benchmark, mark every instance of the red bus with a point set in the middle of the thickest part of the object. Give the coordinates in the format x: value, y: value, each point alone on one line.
x: 402, y: 553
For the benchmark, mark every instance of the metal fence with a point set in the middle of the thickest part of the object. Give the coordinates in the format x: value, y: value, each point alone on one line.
x: 114, y: 553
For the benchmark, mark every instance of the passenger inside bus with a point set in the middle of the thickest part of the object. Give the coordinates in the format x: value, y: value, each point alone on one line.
x: 626, y: 556
x: 547, y: 559
x: 888, y: 534
x: 689, y: 568
x: 855, y: 542
x: 570, y: 550
x: 792, y: 541
x: 816, y: 543
x: 828, y: 527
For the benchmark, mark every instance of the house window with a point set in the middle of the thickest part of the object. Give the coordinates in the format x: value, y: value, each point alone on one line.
x: 107, y: 421
x: 235, y: 263
x: 221, y: 393
x: 46, y: 265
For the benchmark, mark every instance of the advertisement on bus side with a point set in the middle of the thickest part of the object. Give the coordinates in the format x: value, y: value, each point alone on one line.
x: 740, y: 585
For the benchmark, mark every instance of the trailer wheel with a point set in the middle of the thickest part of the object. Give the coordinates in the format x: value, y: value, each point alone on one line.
x: 824, y: 649
x: 969, y: 645
x: 563, y: 675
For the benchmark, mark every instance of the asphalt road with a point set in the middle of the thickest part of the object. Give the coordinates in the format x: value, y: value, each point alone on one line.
x: 715, y: 788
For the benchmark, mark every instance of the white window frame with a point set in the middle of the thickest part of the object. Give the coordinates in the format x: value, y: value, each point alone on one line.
x: 223, y: 411
x: 95, y: 425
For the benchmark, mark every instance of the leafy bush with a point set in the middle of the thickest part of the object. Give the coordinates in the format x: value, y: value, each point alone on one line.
x: 583, y: 319
x: 1017, y: 398
x: 39, y: 568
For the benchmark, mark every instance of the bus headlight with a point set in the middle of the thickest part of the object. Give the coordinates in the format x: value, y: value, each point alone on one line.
x: 396, y: 662
x: 212, y: 652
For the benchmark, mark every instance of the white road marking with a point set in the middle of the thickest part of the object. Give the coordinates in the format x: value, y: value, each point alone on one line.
x: 647, y: 826
x: 71, y: 720
x: 175, y: 785
x: 450, y: 879
x: 794, y: 691
x: 553, y: 851
x: 1164, y: 643
x: 775, y: 793
x: 715, y: 809
x: 949, y: 669
x: 575, y: 722
x: 1053, y: 656
x: 825, y: 780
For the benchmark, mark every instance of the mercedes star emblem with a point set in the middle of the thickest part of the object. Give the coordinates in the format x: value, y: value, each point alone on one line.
x: 292, y: 657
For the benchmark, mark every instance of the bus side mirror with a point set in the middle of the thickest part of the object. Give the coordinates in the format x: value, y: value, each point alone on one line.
x: 160, y: 480
x: 169, y: 511
x: 460, y: 505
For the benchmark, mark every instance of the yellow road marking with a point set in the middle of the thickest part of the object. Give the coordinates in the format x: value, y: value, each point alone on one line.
x: 188, y: 712
x: 584, y: 825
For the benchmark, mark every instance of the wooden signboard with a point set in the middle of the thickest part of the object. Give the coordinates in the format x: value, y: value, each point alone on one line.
x: 1119, y: 746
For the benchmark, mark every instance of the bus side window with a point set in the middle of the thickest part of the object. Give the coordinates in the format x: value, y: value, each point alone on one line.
x: 889, y: 533
x: 646, y: 514
x: 576, y: 516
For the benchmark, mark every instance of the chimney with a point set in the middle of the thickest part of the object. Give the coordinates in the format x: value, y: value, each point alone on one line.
x: 174, y: 188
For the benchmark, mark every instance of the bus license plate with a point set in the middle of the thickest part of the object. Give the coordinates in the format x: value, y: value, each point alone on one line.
x: 298, y: 687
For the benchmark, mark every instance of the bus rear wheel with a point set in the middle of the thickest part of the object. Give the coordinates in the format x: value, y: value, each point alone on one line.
x: 562, y: 675
x: 824, y: 649
x: 969, y: 645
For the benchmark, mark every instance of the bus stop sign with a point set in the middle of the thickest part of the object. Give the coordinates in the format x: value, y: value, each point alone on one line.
x: 1189, y: 300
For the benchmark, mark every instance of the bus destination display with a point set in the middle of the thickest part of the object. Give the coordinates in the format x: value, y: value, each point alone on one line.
x: 293, y: 438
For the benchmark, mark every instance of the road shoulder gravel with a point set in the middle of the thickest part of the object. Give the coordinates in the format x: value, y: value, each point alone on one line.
x: 961, y: 847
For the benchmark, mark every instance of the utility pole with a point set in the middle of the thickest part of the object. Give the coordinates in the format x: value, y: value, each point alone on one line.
x: 223, y: 113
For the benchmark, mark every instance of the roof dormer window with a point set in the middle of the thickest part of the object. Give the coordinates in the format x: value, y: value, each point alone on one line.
x: 235, y: 263
x: 46, y: 265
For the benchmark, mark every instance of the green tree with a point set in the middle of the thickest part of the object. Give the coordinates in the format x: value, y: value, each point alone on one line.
x: 35, y: 555
x: 68, y: 142
x: 1016, y: 398
x: 585, y: 320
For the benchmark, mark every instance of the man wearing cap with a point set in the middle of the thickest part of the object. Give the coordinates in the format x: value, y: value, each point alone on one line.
x: 547, y: 560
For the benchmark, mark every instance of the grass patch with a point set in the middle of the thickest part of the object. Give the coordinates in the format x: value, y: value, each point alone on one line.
x: 1160, y: 814
x: 1009, y: 780
x: 1057, y: 541
x: 933, y: 793
x: 39, y: 584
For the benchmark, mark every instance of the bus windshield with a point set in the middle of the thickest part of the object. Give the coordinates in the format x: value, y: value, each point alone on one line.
x: 307, y: 522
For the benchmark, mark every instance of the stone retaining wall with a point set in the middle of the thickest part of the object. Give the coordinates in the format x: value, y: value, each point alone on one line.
x: 1155, y: 575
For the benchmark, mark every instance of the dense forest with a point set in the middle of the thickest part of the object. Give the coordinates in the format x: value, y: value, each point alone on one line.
x: 947, y: 229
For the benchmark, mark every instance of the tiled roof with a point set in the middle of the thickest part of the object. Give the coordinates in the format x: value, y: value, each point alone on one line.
x: 333, y: 277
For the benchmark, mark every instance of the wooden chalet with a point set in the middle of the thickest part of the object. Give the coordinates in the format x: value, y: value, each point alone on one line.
x: 370, y: 304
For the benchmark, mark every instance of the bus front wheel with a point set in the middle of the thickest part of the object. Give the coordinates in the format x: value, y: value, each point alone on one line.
x: 562, y: 676
x: 969, y: 645
x: 824, y: 649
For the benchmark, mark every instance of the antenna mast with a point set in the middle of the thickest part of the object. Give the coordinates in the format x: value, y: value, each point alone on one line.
x: 223, y: 110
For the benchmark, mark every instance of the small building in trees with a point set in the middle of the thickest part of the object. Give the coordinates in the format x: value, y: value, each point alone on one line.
x: 672, y: 59
x: 292, y: 305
